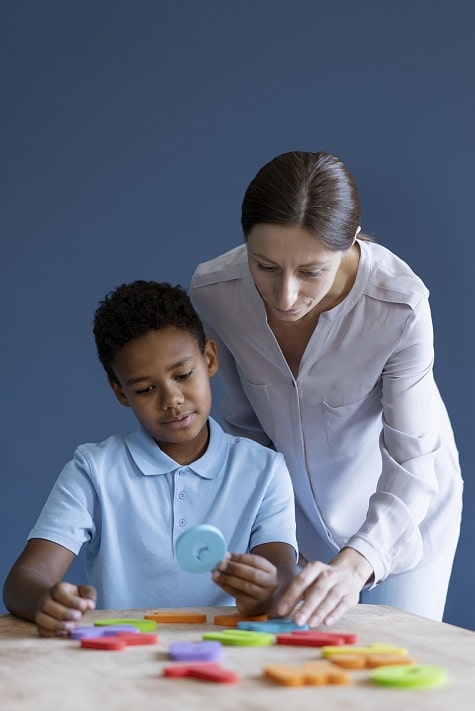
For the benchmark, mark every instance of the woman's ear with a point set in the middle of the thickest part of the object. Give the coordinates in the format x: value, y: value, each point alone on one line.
x: 119, y: 393
x: 211, y: 357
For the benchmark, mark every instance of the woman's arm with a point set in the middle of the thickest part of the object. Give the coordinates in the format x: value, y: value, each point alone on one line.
x: 415, y: 434
x: 390, y: 539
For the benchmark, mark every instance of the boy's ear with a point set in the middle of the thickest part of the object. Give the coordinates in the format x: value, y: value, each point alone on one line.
x: 119, y: 393
x: 211, y: 357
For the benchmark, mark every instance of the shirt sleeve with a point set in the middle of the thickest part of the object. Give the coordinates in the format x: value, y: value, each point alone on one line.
x: 67, y: 516
x: 390, y: 537
x: 275, y: 521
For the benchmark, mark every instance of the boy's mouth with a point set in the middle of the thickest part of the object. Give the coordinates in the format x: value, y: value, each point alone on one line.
x: 179, y: 421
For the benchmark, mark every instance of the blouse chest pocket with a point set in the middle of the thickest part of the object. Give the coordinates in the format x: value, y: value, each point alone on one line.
x: 354, y: 426
x: 259, y: 399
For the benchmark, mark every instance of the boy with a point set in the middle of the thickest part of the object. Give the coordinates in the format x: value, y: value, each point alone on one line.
x: 130, y: 497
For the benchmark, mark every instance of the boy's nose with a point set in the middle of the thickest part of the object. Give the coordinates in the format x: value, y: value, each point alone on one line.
x: 171, y: 399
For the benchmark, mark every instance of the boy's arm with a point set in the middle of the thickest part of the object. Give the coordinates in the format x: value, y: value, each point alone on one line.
x: 33, y: 588
x: 258, y: 579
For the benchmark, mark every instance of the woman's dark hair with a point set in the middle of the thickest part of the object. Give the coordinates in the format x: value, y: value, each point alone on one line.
x: 313, y: 191
x: 132, y: 310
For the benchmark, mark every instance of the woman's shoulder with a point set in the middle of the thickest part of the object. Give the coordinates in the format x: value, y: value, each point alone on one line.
x: 388, y: 277
x: 225, y: 267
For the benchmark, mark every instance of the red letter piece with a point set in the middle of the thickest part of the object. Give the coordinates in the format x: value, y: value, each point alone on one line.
x: 208, y: 671
x: 110, y: 643
x: 314, y: 638
x: 137, y: 639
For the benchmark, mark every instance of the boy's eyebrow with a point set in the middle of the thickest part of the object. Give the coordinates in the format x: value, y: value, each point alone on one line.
x: 173, y: 366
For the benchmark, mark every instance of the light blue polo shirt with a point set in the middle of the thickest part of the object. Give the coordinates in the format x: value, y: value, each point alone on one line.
x: 129, y: 502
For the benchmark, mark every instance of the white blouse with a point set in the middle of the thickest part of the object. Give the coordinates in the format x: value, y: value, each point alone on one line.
x: 363, y: 428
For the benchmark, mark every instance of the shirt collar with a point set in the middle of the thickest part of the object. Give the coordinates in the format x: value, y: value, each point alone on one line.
x: 151, y: 460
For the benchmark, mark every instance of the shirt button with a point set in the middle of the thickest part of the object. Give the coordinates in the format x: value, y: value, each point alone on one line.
x: 181, y: 472
x: 181, y: 522
x: 181, y: 495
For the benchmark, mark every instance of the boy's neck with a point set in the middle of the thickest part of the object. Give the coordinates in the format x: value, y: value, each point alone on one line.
x: 187, y: 452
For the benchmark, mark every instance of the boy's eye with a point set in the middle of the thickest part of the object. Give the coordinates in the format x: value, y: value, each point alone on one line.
x: 144, y: 391
x: 184, y: 376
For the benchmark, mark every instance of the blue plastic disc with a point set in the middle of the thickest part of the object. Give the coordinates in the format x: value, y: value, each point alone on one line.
x: 200, y: 549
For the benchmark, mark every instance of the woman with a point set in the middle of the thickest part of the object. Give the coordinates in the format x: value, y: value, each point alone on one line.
x: 326, y: 350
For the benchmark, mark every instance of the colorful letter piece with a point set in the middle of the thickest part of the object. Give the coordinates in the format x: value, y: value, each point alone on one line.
x: 108, y: 643
x: 370, y: 661
x: 412, y: 677
x: 83, y: 632
x: 119, y: 640
x: 195, y: 651
x: 241, y: 638
x: 143, y: 625
x: 200, y: 549
x: 111, y: 630
x: 375, y: 648
x: 315, y: 673
x: 205, y: 671
x: 232, y: 620
x: 272, y: 626
x: 138, y: 639
x: 315, y: 638
x: 165, y: 616
x: 178, y: 671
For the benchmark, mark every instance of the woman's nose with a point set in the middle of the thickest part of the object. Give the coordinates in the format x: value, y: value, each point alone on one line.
x: 286, y: 293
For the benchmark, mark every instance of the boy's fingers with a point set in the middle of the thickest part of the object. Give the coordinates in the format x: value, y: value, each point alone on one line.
x: 251, y: 560
x: 243, y: 574
x: 89, y: 595
x: 248, y: 566
x: 74, y: 596
x: 59, y: 610
x: 249, y: 587
x: 49, y: 626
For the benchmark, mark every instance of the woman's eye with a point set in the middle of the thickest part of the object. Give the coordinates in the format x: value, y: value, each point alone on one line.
x: 265, y: 268
x: 312, y: 275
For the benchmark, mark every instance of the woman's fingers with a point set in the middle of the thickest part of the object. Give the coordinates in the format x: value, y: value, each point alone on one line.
x: 322, y: 593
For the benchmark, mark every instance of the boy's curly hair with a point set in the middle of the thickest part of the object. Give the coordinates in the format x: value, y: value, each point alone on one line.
x: 134, y: 309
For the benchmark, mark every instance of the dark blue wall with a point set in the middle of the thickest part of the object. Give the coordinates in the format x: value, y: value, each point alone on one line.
x: 129, y: 133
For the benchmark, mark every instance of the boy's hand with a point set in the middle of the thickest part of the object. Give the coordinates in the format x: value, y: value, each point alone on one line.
x: 249, y: 578
x: 62, y: 607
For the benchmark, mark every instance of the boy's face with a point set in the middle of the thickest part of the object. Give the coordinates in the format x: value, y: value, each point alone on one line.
x: 165, y: 379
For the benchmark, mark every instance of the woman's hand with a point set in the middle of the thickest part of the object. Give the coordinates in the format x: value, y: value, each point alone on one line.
x: 326, y: 591
x: 62, y: 607
x: 250, y: 579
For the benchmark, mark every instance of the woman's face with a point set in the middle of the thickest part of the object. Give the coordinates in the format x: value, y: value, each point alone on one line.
x: 293, y: 271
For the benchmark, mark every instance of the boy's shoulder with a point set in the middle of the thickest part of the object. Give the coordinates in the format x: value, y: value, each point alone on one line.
x: 112, y: 444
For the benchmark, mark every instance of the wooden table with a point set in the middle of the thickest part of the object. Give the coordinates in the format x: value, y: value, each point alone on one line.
x: 56, y: 674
